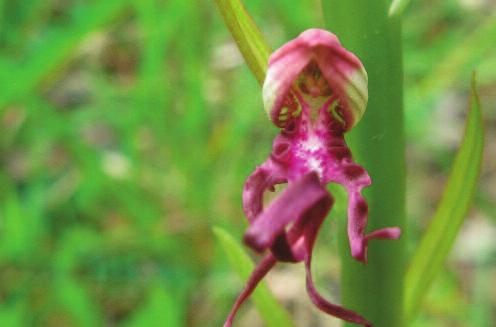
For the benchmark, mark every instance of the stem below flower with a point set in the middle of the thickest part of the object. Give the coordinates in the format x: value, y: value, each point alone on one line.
x: 376, y: 290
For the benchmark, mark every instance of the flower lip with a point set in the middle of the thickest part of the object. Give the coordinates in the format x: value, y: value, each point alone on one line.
x: 314, y: 52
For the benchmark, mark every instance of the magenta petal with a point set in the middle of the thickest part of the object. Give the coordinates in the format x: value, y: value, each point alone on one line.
x: 326, y: 306
x: 291, y: 246
x: 264, y: 177
x: 389, y: 233
x: 256, y: 276
x: 310, y: 236
x: 357, y: 221
x: 296, y: 199
x: 354, y: 178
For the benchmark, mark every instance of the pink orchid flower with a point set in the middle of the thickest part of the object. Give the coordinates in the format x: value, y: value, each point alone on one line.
x: 315, y: 91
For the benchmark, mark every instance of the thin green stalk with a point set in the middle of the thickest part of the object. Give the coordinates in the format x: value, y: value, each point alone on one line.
x: 364, y: 27
x: 247, y: 36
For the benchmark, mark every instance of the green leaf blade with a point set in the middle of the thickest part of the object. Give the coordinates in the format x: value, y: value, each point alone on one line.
x: 271, y: 311
x: 450, y: 213
x: 248, y: 37
x: 162, y: 308
x: 397, y: 7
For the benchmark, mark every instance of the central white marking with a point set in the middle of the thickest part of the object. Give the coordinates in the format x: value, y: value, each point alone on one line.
x: 315, y: 165
x: 312, y: 144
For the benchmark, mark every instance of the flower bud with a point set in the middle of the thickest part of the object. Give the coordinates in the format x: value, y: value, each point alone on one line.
x: 315, y: 66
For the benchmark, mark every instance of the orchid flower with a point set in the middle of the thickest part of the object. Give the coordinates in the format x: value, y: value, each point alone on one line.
x: 315, y: 91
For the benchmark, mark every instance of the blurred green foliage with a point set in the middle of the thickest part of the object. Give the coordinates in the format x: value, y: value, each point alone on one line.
x: 127, y: 128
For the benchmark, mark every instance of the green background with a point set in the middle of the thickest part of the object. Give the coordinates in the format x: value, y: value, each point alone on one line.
x: 127, y: 129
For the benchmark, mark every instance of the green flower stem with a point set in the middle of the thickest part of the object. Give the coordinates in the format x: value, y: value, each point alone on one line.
x: 247, y: 36
x: 364, y: 27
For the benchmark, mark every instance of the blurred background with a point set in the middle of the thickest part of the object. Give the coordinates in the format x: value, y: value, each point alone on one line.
x: 128, y: 127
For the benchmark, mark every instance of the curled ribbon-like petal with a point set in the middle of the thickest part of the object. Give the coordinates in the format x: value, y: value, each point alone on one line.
x: 297, y: 243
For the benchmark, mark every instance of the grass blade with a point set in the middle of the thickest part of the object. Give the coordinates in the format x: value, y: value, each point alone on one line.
x: 55, y: 50
x: 398, y: 7
x: 269, y: 308
x: 248, y: 37
x: 445, y: 224
x: 161, y: 309
x: 71, y: 294
x: 468, y: 52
